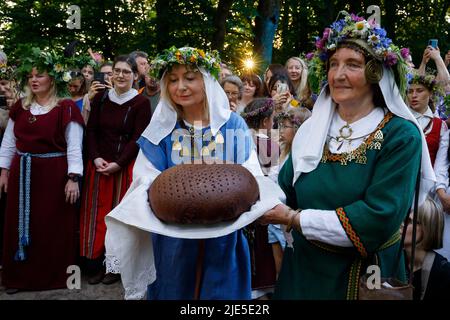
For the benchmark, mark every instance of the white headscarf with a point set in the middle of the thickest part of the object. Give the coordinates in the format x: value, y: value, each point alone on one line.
x: 308, y: 143
x: 165, y: 116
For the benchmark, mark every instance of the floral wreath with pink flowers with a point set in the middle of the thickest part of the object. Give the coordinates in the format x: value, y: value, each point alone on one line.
x: 268, y: 105
x: 429, y: 81
x: 366, y: 34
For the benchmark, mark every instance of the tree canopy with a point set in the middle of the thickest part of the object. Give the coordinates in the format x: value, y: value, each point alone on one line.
x: 270, y: 30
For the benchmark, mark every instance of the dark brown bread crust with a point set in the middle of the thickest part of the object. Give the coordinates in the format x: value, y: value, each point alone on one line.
x: 203, y: 193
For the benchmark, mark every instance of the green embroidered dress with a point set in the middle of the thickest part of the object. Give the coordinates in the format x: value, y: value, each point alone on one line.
x: 371, y: 191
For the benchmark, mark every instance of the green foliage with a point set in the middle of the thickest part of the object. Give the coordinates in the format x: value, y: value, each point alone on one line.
x: 115, y: 27
x: 48, y: 61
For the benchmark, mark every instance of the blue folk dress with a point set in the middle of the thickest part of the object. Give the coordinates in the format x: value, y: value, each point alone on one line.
x: 226, y: 264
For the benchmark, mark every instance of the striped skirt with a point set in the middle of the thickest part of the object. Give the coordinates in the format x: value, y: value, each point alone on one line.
x: 100, y: 195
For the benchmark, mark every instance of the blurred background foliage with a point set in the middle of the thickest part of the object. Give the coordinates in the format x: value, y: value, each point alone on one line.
x: 270, y: 31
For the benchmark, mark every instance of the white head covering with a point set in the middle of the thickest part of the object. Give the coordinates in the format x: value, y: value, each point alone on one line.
x: 165, y: 116
x: 308, y: 143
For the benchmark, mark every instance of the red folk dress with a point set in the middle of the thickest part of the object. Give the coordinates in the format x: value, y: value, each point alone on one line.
x: 111, y: 134
x: 53, y: 221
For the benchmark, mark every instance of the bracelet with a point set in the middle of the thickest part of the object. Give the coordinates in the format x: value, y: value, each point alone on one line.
x: 291, y: 221
x: 74, y: 177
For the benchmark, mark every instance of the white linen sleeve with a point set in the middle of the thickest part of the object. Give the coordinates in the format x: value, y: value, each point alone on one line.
x: 74, y: 138
x: 441, y: 163
x: 8, y: 148
x: 323, y: 226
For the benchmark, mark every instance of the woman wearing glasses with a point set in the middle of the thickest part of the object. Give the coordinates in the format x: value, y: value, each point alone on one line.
x: 233, y: 88
x: 117, y: 119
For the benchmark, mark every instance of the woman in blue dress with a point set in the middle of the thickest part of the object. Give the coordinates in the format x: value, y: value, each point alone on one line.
x: 192, y: 106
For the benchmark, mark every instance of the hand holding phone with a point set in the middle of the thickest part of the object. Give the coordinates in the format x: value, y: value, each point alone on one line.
x: 282, y: 87
x: 100, y: 77
x: 433, y: 43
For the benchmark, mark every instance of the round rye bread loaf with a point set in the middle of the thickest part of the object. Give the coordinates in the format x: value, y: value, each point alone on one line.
x: 203, y: 193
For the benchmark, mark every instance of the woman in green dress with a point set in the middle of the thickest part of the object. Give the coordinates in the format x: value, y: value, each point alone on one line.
x: 351, y: 176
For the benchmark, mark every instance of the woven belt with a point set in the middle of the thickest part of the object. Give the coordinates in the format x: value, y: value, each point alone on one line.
x: 355, y: 269
x: 24, y: 198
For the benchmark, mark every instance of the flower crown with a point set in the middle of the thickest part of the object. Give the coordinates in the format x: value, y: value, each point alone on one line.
x: 296, y: 120
x: 429, y: 81
x: 81, y: 61
x: 269, y: 104
x: 7, y: 72
x: 210, y: 61
x: 356, y: 30
x: 55, y: 65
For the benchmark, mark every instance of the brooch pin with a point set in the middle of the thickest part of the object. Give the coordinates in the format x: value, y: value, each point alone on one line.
x: 31, y: 119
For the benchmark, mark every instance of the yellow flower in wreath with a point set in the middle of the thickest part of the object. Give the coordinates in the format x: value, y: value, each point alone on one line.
x: 178, y: 55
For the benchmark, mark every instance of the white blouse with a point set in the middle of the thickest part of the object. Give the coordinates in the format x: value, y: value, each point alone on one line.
x: 73, y: 135
x: 122, y: 98
x: 441, y: 163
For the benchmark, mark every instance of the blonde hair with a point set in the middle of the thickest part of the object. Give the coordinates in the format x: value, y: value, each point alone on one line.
x: 431, y: 219
x: 30, y: 97
x: 300, y: 88
x: 297, y: 116
x: 178, y: 108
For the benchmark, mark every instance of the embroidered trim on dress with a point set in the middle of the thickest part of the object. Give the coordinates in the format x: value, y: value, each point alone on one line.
x: 373, y: 142
x: 350, y: 232
x: 353, y: 281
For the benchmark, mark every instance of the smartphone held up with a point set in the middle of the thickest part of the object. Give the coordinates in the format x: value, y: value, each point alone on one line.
x: 433, y: 43
x: 282, y: 87
x: 100, y: 77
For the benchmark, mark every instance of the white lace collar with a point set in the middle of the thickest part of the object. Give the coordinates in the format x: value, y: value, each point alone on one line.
x: 122, y: 98
x: 37, y: 109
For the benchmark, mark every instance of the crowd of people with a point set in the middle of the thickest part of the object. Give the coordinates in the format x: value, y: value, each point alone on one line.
x: 349, y: 135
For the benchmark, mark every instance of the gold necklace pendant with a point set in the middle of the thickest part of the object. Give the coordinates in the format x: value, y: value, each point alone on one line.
x: 32, y: 118
x: 176, y: 146
x: 185, y: 152
x: 212, y: 146
x: 219, y: 138
x: 346, y: 131
x: 205, y: 152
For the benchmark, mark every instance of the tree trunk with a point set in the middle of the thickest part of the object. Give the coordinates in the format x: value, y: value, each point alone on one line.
x: 266, y: 23
x: 220, y: 20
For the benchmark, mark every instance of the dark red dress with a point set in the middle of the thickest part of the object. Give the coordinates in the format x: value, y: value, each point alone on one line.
x: 111, y: 134
x: 53, y: 222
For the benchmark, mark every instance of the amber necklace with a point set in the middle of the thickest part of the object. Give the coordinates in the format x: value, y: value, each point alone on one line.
x: 37, y: 108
